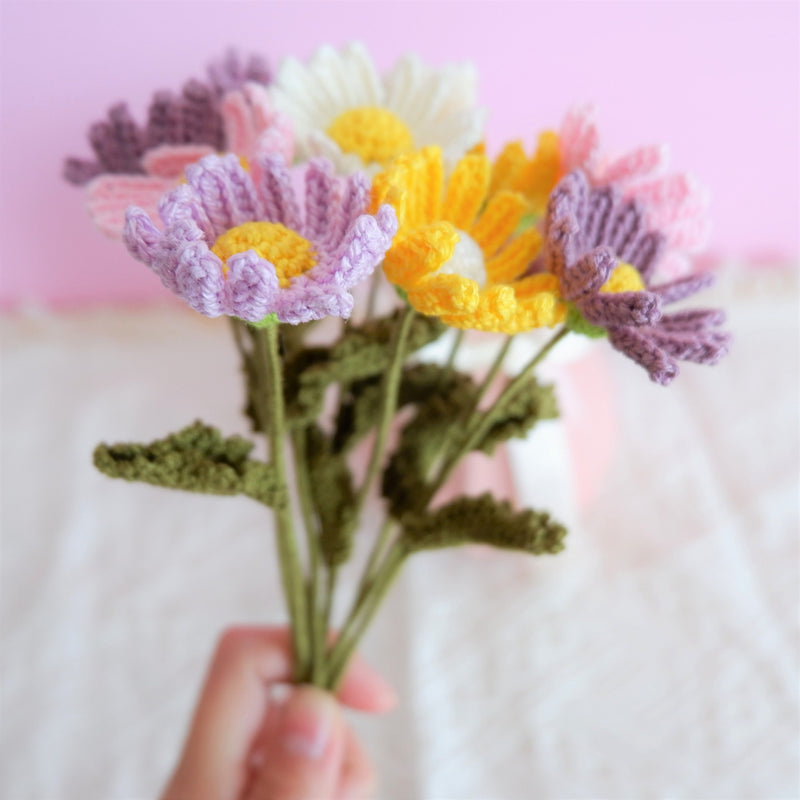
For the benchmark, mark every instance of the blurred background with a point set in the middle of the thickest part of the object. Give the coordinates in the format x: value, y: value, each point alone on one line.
x: 657, y: 657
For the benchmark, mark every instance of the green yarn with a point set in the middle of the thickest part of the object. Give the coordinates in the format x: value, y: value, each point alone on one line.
x: 483, y: 520
x: 331, y: 486
x: 267, y: 322
x: 533, y: 403
x: 361, y: 352
x: 576, y: 323
x: 195, y: 459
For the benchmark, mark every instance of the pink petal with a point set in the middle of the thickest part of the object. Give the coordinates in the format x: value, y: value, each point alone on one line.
x: 639, y: 163
x: 578, y: 139
x: 170, y: 160
x: 109, y: 195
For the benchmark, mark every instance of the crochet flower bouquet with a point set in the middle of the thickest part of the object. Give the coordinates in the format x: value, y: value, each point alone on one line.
x: 281, y: 204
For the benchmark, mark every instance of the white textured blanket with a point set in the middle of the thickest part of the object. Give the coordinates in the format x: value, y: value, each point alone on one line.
x: 656, y: 658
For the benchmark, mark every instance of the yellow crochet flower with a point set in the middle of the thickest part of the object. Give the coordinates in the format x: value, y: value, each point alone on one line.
x: 533, y: 177
x: 457, y: 254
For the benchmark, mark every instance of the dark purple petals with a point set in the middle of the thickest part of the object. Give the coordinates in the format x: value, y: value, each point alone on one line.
x: 586, y: 234
x: 638, y: 346
x: 701, y: 347
x: 684, y: 287
x: 589, y: 273
x: 621, y: 308
x: 694, y: 319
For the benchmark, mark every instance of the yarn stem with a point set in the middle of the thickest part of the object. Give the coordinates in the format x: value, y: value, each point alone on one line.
x: 272, y: 403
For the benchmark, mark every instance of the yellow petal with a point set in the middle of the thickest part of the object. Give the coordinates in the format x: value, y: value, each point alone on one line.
x: 512, y: 261
x: 541, y: 173
x: 466, y: 191
x: 419, y: 252
x: 437, y: 295
x: 498, y: 221
x: 508, y: 168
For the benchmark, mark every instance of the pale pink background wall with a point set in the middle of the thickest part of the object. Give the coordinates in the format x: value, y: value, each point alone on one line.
x: 717, y: 80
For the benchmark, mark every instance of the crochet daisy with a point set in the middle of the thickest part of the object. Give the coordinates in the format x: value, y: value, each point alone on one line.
x: 675, y: 203
x: 603, y: 252
x: 457, y: 254
x: 137, y: 164
x: 341, y: 108
x: 233, y: 241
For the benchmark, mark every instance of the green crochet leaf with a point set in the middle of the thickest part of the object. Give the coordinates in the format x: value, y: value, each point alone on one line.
x: 483, y: 520
x: 533, y: 403
x: 332, y: 493
x: 196, y: 459
x: 361, y: 353
x: 442, y: 397
x: 419, y: 383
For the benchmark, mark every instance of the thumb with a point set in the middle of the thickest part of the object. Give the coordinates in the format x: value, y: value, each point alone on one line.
x: 301, y: 748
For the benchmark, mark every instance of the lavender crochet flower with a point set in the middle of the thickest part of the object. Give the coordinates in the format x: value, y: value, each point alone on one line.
x: 191, y: 118
x: 604, y: 256
x: 234, y: 242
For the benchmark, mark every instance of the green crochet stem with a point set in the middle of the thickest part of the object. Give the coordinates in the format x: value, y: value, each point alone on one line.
x: 272, y: 404
x: 316, y: 621
x: 480, y: 422
x: 391, y: 384
x: 361, y: 615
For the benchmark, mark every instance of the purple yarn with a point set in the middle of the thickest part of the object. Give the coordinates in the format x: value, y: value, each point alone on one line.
x: 587, y: 233
x: 220, y: 194
x: 192, y: 117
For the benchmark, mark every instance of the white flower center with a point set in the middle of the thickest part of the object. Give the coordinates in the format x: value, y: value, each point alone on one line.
x: 466, y: 261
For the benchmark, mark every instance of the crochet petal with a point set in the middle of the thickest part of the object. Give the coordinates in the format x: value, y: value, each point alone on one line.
x: 275, y: 190
x: 109, y: 195
x: 498, y: 221
x: 579, y: 139
x: 420, y: 252
x: 323, y: 205
x: 684, y: 287
x: 635, y: 165
x: 365, y: 245
x: 354, y: 204
x: 589, y: 273
x: 199, y: 279
x: 183, y: 203
x: 251, y: 287
x: 306, y: 300
x: 140, y: 236
x: 170, y: 160
x: 638, y: 346
x: 622, y: 308
x: 466, y: 191
x: 217, y: 182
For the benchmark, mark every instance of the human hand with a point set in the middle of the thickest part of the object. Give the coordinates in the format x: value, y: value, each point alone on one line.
x: 250, y: 741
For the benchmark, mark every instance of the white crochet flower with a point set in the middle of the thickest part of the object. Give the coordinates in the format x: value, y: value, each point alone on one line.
x: 343, y: 110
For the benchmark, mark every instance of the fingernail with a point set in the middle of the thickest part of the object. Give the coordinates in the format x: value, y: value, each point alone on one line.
x: 307, y: 722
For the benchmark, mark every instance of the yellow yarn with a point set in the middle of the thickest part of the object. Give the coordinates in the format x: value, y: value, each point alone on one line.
x: 624, y: 278
x: 532, y: 177
x: 374, y: 134
x: 285, y: 249
x: 452, y: 233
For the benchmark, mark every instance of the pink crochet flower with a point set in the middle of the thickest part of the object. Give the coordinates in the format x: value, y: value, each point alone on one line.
x: 136, y: 165
x: 234, y: 242
x: 676, y: 204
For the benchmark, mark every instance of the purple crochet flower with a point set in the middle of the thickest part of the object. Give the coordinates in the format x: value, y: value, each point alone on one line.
x: 192, y: 118
x: 603, y: 254
x: 234, y: 242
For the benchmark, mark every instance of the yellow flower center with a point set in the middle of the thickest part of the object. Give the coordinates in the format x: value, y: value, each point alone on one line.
x: 372, y: 133
x: 285, y: 249
x: 624, y: 278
